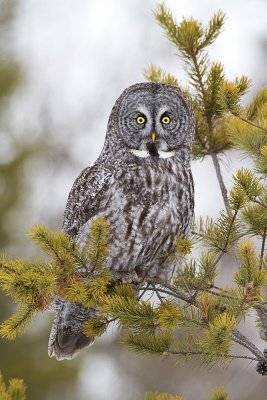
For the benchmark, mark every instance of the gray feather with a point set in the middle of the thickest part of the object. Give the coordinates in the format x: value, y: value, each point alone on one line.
x: 143, y: 188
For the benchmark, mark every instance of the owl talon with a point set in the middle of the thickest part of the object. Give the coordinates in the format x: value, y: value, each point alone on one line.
x: 130, y: 277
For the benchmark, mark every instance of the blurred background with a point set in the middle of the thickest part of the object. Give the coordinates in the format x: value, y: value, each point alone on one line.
x: 63, y: 63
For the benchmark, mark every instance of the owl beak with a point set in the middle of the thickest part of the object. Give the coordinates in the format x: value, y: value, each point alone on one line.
x: 153, y: 136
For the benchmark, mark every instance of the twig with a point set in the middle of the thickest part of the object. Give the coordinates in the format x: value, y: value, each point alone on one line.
x: 262, y: 247
x: 198, y: 234
x: 183, y: 280
x: 259, y: 203
x: 184, y: 353
x: 168, y: 292
x: 179, y: 292
x: 157, y: 292
x: 227, y: 296
x: 206, y: 275
x: 221, y: 182
x: 251, y: 123
x: 209, y: 271
x: 199, y: 77
x: 262, y: 314
x: 144, y: 290
x: 238, y: 337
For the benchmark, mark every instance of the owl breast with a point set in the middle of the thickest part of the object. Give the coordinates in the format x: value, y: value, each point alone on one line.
x: 148, y: 204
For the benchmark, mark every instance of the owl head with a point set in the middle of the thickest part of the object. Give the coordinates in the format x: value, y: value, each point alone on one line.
x: 152, y: 120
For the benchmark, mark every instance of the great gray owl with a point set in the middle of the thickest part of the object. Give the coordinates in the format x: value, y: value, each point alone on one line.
x: 142, y: 184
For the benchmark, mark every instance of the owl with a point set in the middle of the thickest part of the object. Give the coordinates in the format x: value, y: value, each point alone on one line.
x: 142, y: 185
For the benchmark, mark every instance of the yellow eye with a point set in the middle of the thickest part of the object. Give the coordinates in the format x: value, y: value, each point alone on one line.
x: 165, y: 120
x: 140, y: 120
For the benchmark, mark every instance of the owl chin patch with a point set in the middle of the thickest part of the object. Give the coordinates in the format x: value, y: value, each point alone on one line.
x: 147, y: 153
x: 152, y: 149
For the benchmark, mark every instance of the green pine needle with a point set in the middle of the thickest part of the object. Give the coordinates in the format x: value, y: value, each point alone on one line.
x: 156, y: 74
x: 15, y: 390
x: 148, y: 344
x: 169, y: 314
x: 219, y: 393
x: 95, y: 327
x: 17, y: 324
x: 98, y: 245
x: 217, y: 338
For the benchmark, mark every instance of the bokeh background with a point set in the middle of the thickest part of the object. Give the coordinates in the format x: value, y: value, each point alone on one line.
x: 63, y: 63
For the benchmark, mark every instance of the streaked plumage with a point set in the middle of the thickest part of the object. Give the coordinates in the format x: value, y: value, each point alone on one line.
x: 142, y: 184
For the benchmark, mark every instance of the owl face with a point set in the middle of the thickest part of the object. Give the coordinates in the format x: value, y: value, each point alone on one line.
x: 153, y: 122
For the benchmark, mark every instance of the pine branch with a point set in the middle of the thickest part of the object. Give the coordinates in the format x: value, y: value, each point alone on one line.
x: 220, y: 180
x: 77, y: 272
x: 17, y: 324
x: 238, y: 337
x: 260, y: 203
x: 160, y: 290
x: 148, y: 344
x: 199, y: 75
x: 48, y: 241
x: 247, y: 121
x: 176, y: 290
x: 202, y: 353
x: 206, y: 276
x: 97, y: 248
x: 263, y: 247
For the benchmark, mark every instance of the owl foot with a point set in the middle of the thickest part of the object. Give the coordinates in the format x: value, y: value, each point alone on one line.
x: 130, y: 277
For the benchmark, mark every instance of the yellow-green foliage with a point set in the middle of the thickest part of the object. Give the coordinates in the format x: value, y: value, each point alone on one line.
x: 95, y: 326
x: 247, y: 181
x: 209, y: 306
x: 17, y: 324
x: 131, y: 313
x: 250, y: 133
x: 72, y: 273
x: 183, y: 246
x: 219, y: 393
x: 195, y: 270
x: 76, y: 272
x: 155, y: 345
x: 217, y: 338
x: 230, y: 92
x: 169, y: 314
x: 98, y: 245
x: 27, y: 282
x: 15, y: 390
x: 215, y: 97
x: 156, y: 74
x: 250, y: 194
x: 250, y: 275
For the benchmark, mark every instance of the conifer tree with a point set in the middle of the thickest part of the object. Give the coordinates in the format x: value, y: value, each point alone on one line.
x: 193, y: 300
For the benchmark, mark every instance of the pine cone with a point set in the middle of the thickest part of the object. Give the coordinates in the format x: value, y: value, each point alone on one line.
x: 262, y: 365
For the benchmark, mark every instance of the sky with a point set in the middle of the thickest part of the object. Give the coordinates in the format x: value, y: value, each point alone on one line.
x: 80, y: 55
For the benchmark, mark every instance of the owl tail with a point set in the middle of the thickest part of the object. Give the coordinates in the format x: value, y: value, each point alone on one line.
x: 66, y: 337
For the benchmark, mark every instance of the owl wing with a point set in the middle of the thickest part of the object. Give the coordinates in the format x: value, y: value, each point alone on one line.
x: 84, y: 198
x: 66, y: 337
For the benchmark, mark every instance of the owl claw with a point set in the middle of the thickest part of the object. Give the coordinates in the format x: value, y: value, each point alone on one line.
x: 133, y: 278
